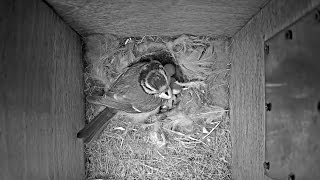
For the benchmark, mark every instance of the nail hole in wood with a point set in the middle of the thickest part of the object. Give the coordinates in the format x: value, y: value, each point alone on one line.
x: 266, y: 49
x: 289, y: 34
x: 266, y: 165
x: 268, y: 106
x: 291, y: 176
x: 317, y: 16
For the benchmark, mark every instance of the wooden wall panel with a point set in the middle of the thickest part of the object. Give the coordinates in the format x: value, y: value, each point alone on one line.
x: 157, y: 17
x: 41, y: 101
x: 247, y: 84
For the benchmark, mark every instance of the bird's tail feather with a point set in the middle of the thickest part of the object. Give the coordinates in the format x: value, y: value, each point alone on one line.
x: 95, y: 127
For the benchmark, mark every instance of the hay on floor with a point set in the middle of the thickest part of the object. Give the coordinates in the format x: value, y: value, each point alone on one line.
x: 192, y: 141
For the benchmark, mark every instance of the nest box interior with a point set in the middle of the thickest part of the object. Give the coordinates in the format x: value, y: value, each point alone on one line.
x: 43, y: 82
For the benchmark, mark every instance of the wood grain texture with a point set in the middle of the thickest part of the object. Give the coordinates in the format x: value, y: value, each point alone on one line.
x: 41, y: 107
x: 165, y: 17
x: 247, y: 86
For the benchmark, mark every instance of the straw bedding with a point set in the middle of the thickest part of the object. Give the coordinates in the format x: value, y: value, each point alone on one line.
x: 192, y: 141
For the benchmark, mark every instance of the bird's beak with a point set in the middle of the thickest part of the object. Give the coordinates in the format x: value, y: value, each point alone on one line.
x: 167, y: 94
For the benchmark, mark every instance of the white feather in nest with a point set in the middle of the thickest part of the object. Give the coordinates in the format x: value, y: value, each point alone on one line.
x: 148, y: 45
x: 178, y: 121
x: 195, y: 56
x: 192, y: 111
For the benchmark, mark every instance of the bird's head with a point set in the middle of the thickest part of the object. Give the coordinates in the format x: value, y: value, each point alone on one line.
x: 154, y: 80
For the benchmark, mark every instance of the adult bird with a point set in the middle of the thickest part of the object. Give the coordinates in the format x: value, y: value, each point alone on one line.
x: 140, y: 90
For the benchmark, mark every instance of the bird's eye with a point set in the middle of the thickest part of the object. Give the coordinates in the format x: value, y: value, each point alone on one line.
x: 156, y: 80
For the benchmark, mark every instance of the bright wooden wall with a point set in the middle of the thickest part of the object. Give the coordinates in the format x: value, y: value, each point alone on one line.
x: 247, y: 84
x: 157, y: 17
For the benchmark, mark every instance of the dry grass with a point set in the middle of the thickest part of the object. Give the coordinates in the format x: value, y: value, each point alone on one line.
x: 190, y: 142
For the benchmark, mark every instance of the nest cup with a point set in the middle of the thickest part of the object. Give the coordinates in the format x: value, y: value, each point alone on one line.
x: 192, y: 141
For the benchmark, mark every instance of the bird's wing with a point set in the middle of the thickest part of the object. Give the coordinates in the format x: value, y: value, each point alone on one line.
x: 127, y: 88
x: 113, y: 103
x: 126, y: 94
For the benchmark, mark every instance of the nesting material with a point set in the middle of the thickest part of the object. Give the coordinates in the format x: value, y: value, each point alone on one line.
x: 192, y: 141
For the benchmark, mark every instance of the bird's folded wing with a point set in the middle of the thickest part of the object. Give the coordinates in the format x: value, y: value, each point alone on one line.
x: 113, y: 103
